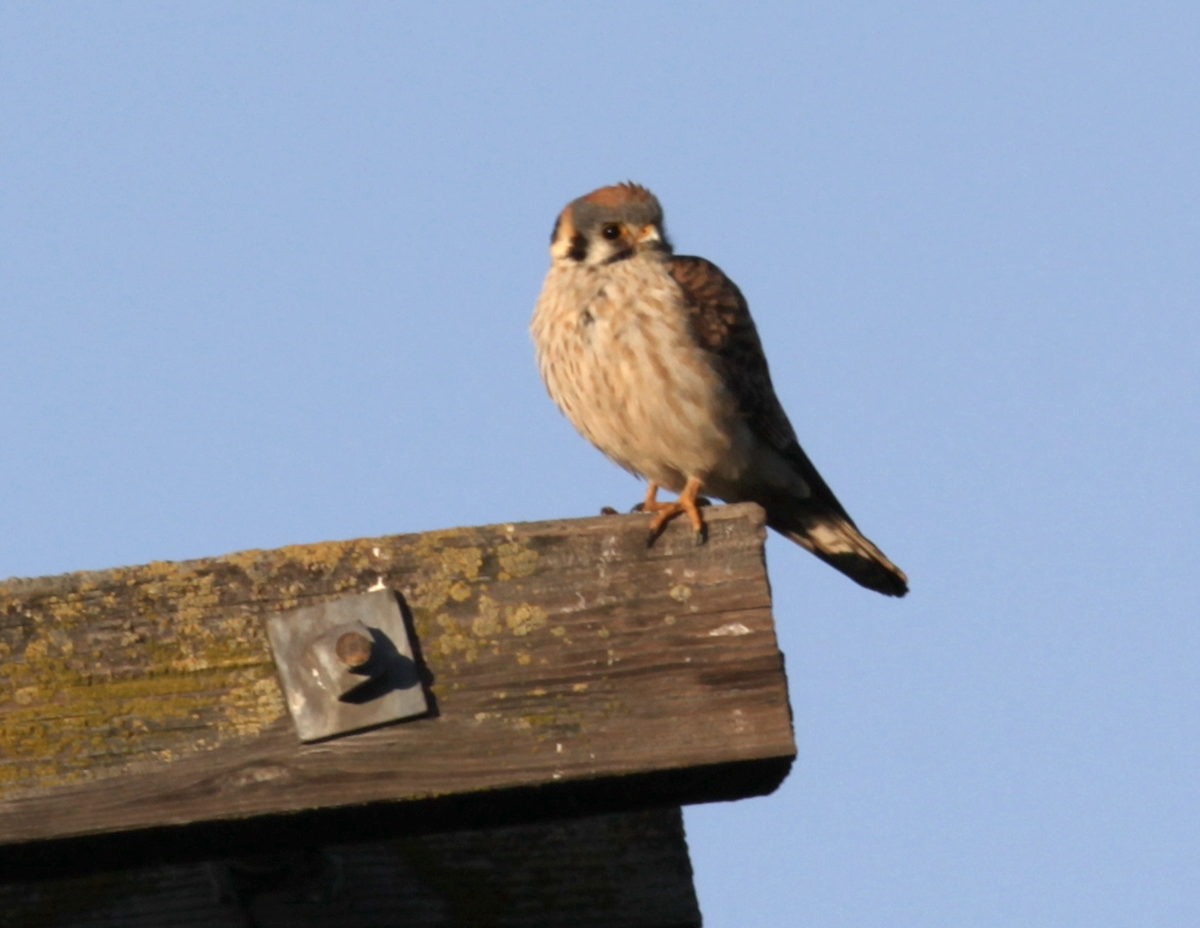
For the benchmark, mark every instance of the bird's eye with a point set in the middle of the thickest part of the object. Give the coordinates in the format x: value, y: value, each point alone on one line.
x: 611, y: 231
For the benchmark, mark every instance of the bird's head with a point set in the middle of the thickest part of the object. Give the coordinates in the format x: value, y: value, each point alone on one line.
x: 609, y: 224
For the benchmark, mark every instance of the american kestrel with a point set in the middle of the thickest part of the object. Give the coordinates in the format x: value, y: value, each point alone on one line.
x: 655, y: 360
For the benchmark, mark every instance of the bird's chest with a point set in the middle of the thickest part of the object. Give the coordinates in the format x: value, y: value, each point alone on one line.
x: 606, y: 336
x: 629, y: 321
x: 617, y: 354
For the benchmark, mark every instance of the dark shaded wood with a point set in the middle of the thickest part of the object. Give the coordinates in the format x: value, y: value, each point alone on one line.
x: 571, y: 669
x: 628, y: 870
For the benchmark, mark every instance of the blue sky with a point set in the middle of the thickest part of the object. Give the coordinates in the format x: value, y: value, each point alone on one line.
x: 266, y: 272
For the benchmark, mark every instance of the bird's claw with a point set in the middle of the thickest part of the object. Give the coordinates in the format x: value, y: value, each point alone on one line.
x: 641, y: 507
x: 668, y: 512
x: 700, y: 535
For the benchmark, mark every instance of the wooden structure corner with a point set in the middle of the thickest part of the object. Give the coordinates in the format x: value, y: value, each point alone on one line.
x: 571, y: 671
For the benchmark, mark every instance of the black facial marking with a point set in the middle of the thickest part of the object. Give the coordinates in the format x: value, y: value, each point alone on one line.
x: 554, y: 231
x: 620, y: 256
x: 579, y: 247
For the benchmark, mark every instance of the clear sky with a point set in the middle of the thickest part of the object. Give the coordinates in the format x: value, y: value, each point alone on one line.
x: 266, y: 272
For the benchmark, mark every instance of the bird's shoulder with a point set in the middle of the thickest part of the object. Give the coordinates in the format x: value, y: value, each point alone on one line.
x: 721, y: 324
x: 717, y: 310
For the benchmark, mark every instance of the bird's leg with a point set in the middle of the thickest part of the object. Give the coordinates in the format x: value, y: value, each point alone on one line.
x: 687, y: 502
x: 651, y: 503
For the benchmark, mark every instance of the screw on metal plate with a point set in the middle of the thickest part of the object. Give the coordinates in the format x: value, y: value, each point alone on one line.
x: 346, y: 664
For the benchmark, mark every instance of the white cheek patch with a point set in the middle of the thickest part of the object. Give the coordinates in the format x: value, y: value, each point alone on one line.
x: 601, y: 251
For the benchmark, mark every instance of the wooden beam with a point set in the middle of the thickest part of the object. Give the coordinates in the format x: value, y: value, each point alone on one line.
x: 571, y: 669
x: 626, y: 870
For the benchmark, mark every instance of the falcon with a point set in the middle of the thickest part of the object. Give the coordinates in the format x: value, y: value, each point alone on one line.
x: 654, y: 358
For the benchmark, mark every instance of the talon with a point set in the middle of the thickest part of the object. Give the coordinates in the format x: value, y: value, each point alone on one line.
x: 687, y: 502
x: 666, y: 513
x: 607, y: 511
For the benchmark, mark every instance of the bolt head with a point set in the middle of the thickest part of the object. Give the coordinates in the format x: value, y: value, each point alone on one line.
x: 354, y: 649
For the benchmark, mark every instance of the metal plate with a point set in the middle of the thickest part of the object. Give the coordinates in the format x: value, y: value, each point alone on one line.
x: 326, y: 699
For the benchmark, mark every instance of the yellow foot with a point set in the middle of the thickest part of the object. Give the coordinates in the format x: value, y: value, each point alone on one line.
x: 688, y: 502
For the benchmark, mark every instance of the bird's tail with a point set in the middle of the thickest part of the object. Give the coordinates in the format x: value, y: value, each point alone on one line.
x: 837, y: 541
x: 820, y: 524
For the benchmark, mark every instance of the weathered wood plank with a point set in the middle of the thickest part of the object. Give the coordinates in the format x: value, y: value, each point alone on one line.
x: 628, y: 870
x: 559, y: 654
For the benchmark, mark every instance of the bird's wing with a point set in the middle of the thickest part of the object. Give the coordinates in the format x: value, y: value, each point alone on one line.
x: 721, y: 323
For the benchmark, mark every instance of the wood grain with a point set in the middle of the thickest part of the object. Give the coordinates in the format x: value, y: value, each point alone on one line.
x: 571, y: 669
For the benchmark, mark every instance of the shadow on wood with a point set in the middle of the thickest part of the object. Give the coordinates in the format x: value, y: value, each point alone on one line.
x: 628, y: 870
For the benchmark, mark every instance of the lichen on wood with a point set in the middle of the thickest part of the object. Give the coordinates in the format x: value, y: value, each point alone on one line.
x: 551, y: 651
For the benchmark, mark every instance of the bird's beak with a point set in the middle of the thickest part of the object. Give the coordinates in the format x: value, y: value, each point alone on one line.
x: 649, y: 235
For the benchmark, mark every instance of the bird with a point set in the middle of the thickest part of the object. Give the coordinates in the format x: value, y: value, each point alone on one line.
x: 655, y: 359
